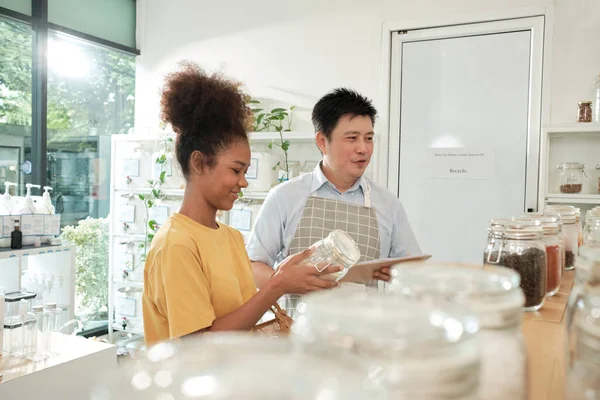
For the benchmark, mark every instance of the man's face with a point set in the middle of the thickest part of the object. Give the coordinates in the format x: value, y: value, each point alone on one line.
x: 349, y: 150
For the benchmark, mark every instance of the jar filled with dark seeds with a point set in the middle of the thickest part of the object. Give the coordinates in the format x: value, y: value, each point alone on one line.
x: 571, y: 176
x: 519, y: 245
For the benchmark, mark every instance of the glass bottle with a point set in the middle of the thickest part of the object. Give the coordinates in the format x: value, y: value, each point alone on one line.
x: 570, y: 177
x: 519, y: 245
x: 584, y: 111
x: 16, y: 237
x: 51, y: 343
x: 404, y: 348
x: 495, y: 297
x: 337, y: 248
x: 231, y: 367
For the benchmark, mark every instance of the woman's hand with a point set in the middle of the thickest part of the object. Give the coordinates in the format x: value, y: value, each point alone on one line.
x: 293, y: 277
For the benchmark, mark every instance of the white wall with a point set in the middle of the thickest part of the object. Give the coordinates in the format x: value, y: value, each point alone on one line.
x: 293, y: 52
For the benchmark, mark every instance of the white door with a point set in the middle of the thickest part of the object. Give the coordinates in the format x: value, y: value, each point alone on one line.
x: 465, y: 116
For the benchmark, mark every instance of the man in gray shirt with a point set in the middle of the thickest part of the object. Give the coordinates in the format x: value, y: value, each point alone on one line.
x: 336, y: 195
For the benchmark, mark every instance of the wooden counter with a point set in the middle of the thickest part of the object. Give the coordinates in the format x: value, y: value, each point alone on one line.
x: 545, y: 339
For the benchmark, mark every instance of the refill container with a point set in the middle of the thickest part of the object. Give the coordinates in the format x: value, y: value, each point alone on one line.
x: 27, y: 206
x: 404, y: 348
x: 42, y: 334
x: 44, y: 206
x: 230, y: 366
x: 6, y: 208
x: 52, y: 347
x: 494, y: 296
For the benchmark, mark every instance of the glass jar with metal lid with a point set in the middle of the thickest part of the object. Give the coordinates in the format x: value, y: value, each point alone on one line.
x: 518, y: 245
x: 570, y: 177
x: 584, y: 111
x: 230, y: 367
x: 407, y: 349
x: 591, y: 230
x: 583, y: 378
x: 571, y: 228
x: 337, y: 248
x: 555, y: 248
x: 495, y: 297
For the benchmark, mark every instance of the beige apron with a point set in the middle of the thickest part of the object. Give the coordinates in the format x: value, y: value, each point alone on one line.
x: 321, y: 216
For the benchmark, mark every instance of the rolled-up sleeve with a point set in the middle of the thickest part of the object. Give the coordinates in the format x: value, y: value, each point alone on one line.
x: 266, y: 241
x: 403, y: 243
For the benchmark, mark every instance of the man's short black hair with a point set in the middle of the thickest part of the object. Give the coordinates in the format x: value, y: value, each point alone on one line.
x: 337, y: 103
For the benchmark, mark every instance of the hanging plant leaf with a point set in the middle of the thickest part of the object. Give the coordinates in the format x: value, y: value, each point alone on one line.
x: 259, y: 119
x: 142, y: 197
x: 276, y: 166
x: 292, y: 108
x: 270, y: 145
x: 162, y: 176
x: 255, y: 110
x: 278, y: 110
x: 286, y: 145
x: 254, y: 102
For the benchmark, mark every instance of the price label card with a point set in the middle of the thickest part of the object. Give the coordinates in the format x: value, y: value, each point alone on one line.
x: 8, y: 224
x: 123, y: 260
x: 252, y: 169
x: 131, y: 167
x: 52, y: 225
x: 126, y: 306
x: 32, y: 224
x: 240, y: 219
x: 127, y: 213
x: 159, y: 213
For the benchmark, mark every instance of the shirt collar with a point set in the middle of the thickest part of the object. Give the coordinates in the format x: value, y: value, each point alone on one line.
x: 319, y: 179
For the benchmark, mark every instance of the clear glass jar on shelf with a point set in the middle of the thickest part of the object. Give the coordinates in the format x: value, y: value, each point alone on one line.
x: 230, y: 367
x: 495, y: 297
x: 338, y: 248
x: 405, y: 348
x: 584, y: 376
x: 586, y: 278
x: 519, y: 245
x: 584, y: 111
x: 570, y: 177
x: 571, y: 228
x: 591, y: 232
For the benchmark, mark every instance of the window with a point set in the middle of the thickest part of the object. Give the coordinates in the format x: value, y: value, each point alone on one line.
x: 15, y: 103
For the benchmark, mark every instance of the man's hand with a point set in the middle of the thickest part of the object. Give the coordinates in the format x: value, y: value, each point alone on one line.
x: 383, y: 274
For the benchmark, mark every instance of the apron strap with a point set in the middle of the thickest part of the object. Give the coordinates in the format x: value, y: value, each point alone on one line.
x: 366, y: 189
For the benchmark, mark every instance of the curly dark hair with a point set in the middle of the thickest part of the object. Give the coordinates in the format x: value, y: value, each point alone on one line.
x: 207, y: 112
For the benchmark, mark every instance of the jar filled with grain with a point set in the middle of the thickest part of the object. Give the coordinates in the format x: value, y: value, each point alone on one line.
x: 584, y: 111
x: 570, y: 177
x: 519, y: 245
x: 494, y: 295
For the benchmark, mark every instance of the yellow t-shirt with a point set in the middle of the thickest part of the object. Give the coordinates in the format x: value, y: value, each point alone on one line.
x: 193, y: 275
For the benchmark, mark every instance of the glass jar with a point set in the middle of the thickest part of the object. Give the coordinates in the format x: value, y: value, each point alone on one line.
x: 591, y: 232
x: 495, y: 297
x: 586, y: 278
x: 337, y: 248
x: 405, y: 348
x: 570, y: 177
x: 571, y: 228
x: 583, y: 378
x: 584, y: 111
x: 555, y: 248
x: 519, y: 245
x: 230, y: 367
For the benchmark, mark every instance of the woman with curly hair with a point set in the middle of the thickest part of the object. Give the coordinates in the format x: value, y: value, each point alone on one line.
x: 197, y: 275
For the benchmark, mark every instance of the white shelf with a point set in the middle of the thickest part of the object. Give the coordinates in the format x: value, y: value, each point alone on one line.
x: 137, y: 190
x: 135, y: 284
x: 255, y: 195
x: 573, y: 128
x: 35, y: 251
x: 268, y: 136
x: 573, y: 198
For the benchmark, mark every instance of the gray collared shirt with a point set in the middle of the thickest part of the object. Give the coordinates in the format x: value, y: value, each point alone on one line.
x: 280, y: 215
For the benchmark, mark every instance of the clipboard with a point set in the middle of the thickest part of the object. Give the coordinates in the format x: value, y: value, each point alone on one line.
x: 364, y: 271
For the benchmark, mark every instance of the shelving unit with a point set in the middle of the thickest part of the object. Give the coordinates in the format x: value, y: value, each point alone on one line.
x: 291, y: 136
x: 34, y: 251
x: 579, y: 142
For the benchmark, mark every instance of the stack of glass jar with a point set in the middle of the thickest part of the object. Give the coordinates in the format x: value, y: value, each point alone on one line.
x: 555, y: 247
x: 591, y: 232
x: 573, y: 232
x: 28, y: 334
x: 405, y: 349
x: 495, y: 297
x: 231, y: 367
x: 519, y: 245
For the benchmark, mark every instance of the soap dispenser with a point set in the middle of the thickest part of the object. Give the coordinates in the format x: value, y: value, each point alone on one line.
x: 6, y: 202
x: 45, y: 206
x: 27, y: 206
